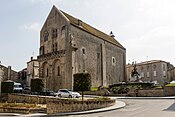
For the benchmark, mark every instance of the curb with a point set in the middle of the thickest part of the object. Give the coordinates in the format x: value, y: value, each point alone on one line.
x: 145, y: 97
x: 9, y: 114
x: 118, y: 105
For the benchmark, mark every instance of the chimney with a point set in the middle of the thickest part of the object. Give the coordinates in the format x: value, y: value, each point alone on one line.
x: 9, y: 73
x: 79, y: 22
x: 111, y: 34
x: 31, y: 58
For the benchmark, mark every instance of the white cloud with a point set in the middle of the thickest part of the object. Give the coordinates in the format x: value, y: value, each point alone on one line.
x: 52, y: 2
x: 144, y: 27
x: 158, y: 43
x: 33, y: 26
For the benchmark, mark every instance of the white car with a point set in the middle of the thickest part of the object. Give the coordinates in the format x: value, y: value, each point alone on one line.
x: 17, y: 88
x: 67, y: 93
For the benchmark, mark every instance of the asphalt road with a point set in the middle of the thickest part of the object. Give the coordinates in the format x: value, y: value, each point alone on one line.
x: 139, y: 108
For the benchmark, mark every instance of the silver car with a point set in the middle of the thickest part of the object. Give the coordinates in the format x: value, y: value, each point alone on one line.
x: 67, y: 93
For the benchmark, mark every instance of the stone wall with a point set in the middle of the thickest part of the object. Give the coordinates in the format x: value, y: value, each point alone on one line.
x: 52, y: 52
x: 151, y: 93
x: 74, y: 105
x: 166, y: 91
x: 98, y: 58
x: 20, y: 98
x: 54, y: 105
x: 21, y: 110
x: 169, y: 91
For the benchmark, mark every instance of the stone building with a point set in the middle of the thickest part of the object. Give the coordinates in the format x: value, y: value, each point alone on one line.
x: 32, y: 70
x: 68, y: 46
x: 6, y: 73
x: 151, y: 71
x: 22, y: 76
x: 171, y: 74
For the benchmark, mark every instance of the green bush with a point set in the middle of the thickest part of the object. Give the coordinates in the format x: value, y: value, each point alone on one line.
x: 7, y: 87
x: 37, y: 85
x: 124, y: 88
x: 171, y: 85
x: 94, y: 88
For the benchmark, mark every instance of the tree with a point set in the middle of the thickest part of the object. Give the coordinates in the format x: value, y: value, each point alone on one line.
x: 82, y: 82
x: 37, y: 85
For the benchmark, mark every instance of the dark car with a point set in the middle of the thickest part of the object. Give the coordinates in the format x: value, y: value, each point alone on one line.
x: 47, y: 93
x: 26, y: 90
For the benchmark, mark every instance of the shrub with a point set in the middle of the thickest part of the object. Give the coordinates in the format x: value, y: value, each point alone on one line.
x: 7, y: 87
x: 37, y: 85
x: 171, y: 85
x: 124, y: 88
x: 94, y: 88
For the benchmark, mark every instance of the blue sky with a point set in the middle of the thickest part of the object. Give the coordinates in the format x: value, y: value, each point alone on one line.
x: 145, y: 28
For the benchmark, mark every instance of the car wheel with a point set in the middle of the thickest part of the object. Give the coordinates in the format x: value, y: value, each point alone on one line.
x: 59, y: 95
x: 70, y: 96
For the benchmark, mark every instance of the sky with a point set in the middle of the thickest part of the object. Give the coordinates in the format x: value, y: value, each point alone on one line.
x: 146, y: 28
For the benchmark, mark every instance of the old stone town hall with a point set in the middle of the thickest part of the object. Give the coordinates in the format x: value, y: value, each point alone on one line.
x: 68, y: 46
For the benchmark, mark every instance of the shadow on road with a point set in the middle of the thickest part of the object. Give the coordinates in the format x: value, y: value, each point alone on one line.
x: 171, y: 108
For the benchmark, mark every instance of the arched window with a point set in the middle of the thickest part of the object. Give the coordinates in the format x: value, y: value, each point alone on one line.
x: 58, y: 70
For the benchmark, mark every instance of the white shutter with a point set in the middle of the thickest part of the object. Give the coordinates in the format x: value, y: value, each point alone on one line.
x: 155, y: 74
x: 147, y: 74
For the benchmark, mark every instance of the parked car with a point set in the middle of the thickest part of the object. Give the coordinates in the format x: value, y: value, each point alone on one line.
x: 17, y: 87
x: 48, y: 93
x: 26, y: 90
x: 67, y: 93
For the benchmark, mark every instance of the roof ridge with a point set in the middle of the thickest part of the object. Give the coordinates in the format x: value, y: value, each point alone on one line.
x: 90, y: 29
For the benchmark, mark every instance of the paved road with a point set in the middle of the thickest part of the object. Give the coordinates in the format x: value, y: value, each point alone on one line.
x: 139, y: 108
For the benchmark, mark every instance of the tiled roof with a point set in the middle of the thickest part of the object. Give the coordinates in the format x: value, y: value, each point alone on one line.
x: 74, y: 21
x: 146, y: 62
x: 152, y: 61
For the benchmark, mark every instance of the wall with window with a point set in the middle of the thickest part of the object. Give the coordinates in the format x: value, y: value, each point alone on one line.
x: 155, y: 71
x: 52, y: 35
x: 52, y: 60
x: 32, y: 70
x: 91, y: 55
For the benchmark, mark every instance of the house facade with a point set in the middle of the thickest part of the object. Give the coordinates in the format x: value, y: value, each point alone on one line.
x: 22, y: 76
x: 68, y: 46
x: 171, y: 74
x: 151, y: 71
x: 6, y: 73
x: 32, y: 71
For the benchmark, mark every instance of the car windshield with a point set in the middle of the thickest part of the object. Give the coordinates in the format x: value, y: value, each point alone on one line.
x: 70, y: 90
x: 17, y: 86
